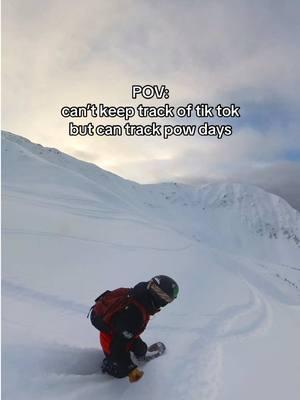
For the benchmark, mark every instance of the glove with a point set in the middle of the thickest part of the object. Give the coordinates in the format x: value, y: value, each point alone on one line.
x: 135, y: 375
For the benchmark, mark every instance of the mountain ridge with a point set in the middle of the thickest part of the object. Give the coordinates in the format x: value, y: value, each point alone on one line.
x: 203, y: 207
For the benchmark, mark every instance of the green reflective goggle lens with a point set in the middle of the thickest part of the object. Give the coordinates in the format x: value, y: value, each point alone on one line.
x: 175, y: 292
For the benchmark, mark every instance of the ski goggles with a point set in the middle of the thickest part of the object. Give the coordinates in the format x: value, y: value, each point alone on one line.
x: 159, y: 292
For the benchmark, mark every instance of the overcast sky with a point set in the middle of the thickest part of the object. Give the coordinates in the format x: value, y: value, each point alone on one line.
x: 60, y: 52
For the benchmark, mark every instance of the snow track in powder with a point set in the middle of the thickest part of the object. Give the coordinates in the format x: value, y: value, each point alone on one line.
x: 201, y: 364
x: 22, y: 293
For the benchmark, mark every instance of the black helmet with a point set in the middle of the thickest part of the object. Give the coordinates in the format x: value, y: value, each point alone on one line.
x: 163, y: 290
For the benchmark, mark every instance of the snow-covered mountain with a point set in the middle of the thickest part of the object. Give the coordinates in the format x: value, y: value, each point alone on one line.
x: 72, y: 230
x: 238, y: 217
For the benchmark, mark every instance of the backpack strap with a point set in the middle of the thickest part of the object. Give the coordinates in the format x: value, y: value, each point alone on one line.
x: 90, y: 310
x: 144, y: 313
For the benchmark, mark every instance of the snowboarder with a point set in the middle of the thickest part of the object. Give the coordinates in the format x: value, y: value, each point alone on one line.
x: 122, y: 315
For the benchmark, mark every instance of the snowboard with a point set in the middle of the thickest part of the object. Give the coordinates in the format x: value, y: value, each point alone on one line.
x: 154, y: 351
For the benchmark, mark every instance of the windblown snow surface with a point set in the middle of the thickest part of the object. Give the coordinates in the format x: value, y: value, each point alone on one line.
x: 72, y: 230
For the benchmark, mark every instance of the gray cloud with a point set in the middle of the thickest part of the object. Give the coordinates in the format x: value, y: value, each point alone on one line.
x: 281, y: 178
x: 58, y: 53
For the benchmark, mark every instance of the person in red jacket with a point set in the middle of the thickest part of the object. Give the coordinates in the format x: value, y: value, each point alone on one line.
x: 122, y: 335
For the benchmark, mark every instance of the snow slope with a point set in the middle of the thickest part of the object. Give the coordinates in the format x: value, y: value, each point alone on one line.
x: 72, y: 230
